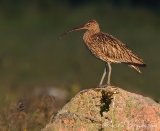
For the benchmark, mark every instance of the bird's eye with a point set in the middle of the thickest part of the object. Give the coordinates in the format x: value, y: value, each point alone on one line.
x: 88, y: 24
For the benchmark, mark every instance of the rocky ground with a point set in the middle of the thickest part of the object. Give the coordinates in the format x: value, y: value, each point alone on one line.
x: 107, y: 109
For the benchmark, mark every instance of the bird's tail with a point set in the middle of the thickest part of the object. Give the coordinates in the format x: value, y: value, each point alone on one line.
x: 136, y: 63
x: 136, y: 68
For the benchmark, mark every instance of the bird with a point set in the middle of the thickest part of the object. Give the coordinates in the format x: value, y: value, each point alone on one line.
x: 107, y: 48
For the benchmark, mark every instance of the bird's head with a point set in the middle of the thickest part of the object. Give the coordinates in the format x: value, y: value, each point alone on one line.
x: 91, y: 25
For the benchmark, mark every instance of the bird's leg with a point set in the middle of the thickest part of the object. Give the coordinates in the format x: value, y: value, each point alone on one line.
x: 109, y: 73
x: 103, y: 76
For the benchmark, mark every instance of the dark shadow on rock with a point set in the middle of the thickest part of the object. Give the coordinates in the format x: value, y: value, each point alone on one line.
x: 105, y: 102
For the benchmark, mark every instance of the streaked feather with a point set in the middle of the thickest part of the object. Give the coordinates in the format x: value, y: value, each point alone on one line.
x: 109, y: 49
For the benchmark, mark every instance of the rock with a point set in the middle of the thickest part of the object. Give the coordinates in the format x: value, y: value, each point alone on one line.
x: 107, y: 109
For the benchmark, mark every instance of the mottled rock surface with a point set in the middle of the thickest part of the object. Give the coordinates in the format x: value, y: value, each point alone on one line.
x: 107, y: 109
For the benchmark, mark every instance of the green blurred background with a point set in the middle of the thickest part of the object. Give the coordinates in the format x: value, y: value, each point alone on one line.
x: 31, y: 55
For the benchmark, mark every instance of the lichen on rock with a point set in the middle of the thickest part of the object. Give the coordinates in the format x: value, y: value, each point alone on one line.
x: 107, y: 109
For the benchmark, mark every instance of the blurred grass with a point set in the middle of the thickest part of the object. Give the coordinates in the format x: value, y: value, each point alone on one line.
x: 32, y: 113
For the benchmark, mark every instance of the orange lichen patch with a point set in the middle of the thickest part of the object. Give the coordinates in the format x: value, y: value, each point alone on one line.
x: 67, y: 121
x: 82, y: 129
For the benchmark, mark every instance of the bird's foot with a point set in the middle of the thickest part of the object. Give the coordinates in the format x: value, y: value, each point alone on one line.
x: 104, y: 86
x: 108, y: 88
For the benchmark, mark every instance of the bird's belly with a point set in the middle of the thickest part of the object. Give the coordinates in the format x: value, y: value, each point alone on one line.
x: 96, y: 51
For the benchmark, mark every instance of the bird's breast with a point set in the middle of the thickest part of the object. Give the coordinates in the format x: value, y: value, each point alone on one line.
x: 89, y: 42
x: 87, y: 38
x: 92, y: 45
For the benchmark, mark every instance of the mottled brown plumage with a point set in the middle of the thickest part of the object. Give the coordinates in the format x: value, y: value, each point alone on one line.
x: 108, y: 48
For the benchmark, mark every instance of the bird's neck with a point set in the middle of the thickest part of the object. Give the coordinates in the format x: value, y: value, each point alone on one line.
x: 93, y: 31
x: 87, y: 35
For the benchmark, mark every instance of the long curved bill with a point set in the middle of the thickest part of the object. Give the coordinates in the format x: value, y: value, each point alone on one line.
x: 72, y: 30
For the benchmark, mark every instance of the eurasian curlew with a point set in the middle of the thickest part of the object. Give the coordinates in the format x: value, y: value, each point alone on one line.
x: 108, y: 48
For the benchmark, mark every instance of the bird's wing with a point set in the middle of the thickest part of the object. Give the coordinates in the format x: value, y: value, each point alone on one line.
x: 115, y: 51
